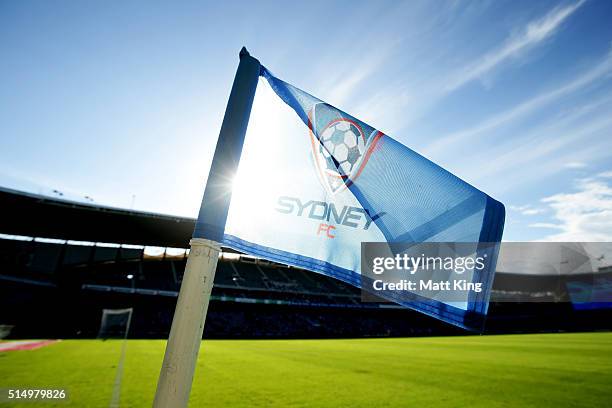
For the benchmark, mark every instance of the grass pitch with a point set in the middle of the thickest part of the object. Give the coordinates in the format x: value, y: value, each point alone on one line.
x: 549, y: 370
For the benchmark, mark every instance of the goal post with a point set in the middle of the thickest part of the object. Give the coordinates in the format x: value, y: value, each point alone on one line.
x: 115, y: 323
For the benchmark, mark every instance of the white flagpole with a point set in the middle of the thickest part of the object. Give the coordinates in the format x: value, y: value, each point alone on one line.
x: 176, y: 376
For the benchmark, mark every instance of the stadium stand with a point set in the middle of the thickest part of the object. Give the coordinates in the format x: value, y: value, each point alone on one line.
x: 54, y: 288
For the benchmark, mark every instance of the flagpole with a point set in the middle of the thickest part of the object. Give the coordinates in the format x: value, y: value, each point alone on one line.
x: 176, y: 376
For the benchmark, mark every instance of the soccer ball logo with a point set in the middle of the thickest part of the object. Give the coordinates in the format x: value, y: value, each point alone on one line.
x: 339, y: 148
x: 342, y: 144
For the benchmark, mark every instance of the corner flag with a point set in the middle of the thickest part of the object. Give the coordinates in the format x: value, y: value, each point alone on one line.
x: 311, y: 187
x: 308, y: 191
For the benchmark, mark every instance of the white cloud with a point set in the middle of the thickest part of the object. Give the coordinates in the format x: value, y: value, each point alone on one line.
x: 544, y: 147
x: 601, y: 70
x: 605, y: 174
x: 533, y: 211
x: 534, y: 33
x: 392, y: 78
x: 342, y: 86
x: 584, y: 215
x: 575, y: 135
x: 526, y: 209
x: 575, y: 165
x: 545, y: 225
x: 531, y: 175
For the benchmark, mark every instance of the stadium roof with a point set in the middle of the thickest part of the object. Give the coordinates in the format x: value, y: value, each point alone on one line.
x: 36, y: 215
x: 41, y: 216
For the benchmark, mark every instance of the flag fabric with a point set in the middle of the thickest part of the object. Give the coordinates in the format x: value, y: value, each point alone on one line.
x: 314, y: 183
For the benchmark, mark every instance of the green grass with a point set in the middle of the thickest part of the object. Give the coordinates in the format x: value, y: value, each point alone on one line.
x: 549, y: 370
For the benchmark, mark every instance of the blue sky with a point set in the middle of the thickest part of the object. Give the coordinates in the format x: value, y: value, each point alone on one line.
x: 120, y: 99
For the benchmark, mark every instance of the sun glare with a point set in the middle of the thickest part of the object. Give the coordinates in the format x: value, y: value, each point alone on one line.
x: 259, y: 177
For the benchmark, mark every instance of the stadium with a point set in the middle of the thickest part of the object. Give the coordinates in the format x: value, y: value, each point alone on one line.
x: 401, y: 204
x: 63, y: 253
x: 64, y: 262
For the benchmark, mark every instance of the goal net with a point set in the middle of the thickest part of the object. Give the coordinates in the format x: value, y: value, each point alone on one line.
x: 115, y: 323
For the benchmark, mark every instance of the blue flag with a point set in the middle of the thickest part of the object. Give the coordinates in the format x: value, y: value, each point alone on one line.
x: 314, y: 183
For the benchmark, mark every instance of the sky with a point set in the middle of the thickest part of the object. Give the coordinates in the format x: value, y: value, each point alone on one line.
x: 122, y: 101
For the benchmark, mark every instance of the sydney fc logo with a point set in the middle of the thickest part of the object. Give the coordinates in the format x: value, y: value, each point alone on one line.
x: 341, y: 146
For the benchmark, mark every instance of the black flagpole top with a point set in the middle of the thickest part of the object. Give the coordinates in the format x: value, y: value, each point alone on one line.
x: 244, y: 53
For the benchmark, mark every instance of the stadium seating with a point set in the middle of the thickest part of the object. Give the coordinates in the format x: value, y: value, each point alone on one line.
x: 251, y: 298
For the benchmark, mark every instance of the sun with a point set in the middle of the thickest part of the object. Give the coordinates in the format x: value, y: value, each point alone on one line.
x: 259, y: 179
